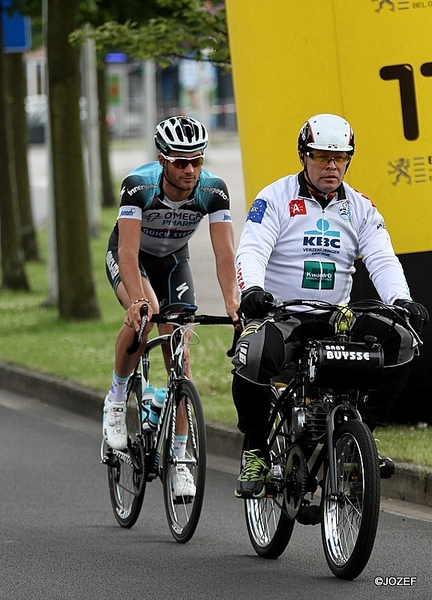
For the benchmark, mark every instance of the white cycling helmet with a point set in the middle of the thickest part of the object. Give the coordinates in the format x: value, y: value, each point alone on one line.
x: 326, y: 132
x: 182, y: 134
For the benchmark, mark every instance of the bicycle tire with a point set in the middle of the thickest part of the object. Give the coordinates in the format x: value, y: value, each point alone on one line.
x: 126, y: 470
x: 269, y: 527
x: 349, y: 522
x: 183, y: 511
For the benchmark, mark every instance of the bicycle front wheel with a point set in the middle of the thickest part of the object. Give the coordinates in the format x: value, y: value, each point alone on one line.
x: 350, y: 517
x: 126, y: 470
x: 268, y: 525
x: 184, y: 478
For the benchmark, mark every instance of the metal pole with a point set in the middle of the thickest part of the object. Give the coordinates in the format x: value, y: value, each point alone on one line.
x: 53, y: 293
x: 91, y: 142
x: 151, y: 119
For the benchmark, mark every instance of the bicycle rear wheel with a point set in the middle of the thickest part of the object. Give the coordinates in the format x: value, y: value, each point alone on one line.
x: 183, y: 508
x: 350, y: 519
x: 268, y: 525
x: 126, y: 469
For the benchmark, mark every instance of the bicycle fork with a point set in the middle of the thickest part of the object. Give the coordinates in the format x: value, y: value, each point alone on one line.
x: 331, y: 450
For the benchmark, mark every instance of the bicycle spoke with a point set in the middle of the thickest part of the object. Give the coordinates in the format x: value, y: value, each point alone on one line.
x: 184, y: 478
x: 350, y: 518
x: 268, y: 525
x: 126, y: 472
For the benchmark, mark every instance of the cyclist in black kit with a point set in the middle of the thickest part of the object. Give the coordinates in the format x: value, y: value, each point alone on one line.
x: 162, y: 204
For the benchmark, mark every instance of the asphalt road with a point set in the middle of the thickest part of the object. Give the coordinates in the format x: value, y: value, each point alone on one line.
x: 60, y: 540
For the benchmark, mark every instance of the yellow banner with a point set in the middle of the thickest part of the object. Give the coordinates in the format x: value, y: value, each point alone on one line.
x: 369, y: 61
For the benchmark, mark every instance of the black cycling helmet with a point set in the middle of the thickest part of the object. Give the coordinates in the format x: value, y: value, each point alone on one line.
x: 182, y: 134
x: 326, y: 132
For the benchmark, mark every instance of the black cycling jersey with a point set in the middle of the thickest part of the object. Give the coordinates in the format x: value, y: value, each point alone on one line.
x: 166, y: 228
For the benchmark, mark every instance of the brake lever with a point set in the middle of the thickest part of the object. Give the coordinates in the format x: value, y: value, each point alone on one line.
x: 139, y: 334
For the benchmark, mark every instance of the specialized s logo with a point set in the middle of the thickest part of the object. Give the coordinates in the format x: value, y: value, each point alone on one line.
x: 181, y: 289
x: 297, y: 207
x: 257, y: 210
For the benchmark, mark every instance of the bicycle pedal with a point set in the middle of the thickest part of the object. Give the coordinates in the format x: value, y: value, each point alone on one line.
x: 183, y: 499
x: 109, y: 462
x: 311, y: 484
x: 271, y: 490
x: 309, y: 515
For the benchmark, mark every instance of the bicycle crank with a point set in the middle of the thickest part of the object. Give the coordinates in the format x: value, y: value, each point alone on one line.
x: 295, y: 481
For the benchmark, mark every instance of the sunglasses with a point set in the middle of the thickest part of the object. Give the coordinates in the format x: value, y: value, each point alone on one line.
x: 322, y: 159
x: 181, y: 162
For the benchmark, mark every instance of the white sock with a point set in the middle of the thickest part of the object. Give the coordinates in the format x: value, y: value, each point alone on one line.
x: 180, y: 446
x: 117, y: 391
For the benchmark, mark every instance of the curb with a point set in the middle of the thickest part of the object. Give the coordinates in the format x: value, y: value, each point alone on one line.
x: 411, y: 483
x: 51, y: 390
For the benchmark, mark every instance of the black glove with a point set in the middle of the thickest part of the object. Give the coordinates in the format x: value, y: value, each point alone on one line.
x: 256, y: 303
x: 418, y: 314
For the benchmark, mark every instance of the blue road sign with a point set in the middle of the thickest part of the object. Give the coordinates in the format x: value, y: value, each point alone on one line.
x: 16, y: 30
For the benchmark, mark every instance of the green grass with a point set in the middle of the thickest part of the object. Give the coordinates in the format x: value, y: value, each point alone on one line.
x: 405, y: 443
x: 34, y: 338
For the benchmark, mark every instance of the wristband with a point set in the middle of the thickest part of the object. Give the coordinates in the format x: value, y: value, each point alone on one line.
x: 146, y: 300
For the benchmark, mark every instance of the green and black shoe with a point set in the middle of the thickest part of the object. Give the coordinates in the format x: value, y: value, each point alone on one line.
x: 387, y: 467
x: 254, y: 475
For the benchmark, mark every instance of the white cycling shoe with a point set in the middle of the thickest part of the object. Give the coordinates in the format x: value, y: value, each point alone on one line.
x: 182, y: 484
x: 114, y: 424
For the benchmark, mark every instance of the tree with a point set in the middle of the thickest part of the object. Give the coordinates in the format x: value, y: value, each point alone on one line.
x: 77, y: 298
x: 96, y: 14
x: 76, y: 290
x: 108, y: 198
x: 168, y: 28
x: 12, y: 254
x: 194, y: 26
x: 16, y: 92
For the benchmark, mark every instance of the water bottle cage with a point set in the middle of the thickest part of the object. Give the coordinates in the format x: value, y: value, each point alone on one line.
x: 150, y: 417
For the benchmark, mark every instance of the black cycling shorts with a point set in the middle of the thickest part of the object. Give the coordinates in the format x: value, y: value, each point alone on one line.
x: 170, y: 277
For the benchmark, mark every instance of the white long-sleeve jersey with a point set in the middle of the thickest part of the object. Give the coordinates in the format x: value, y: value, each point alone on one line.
x: 292, y: 247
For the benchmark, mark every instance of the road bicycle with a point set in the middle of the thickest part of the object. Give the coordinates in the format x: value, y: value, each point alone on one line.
x: 150, y: 454
x: 318, y: 441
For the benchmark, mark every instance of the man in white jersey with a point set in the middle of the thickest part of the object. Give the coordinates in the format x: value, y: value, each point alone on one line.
x: 302, y: 236
x: 162, y: 204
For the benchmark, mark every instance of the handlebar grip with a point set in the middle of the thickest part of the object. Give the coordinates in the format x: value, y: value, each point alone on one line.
x: 139, y: 334
x: 214, y: 320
